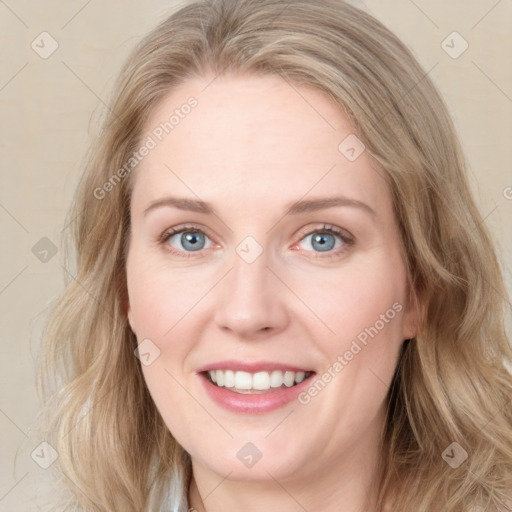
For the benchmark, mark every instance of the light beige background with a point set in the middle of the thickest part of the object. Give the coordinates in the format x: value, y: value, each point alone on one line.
x: 46, y: 108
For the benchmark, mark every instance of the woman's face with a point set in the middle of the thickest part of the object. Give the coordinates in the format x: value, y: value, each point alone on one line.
x: 264, y: 246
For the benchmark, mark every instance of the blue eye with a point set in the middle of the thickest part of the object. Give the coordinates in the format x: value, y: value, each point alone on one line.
x: 322, y: 241
x: 326, y: 239
x: 191, y: 240
x: 185, y: 241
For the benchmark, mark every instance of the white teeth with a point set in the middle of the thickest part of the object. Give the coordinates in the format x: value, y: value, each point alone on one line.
x: 276, y: 379
x: 229, y: 378
x: 243, y: 380
x: 299, y: 377
x: 289, y: 378
x: 260, y: 381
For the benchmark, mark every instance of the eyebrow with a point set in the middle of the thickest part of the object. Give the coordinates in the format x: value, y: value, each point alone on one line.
x: 297, y: 207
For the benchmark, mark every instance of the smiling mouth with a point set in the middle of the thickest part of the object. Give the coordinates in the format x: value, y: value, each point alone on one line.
x: 256, y: 383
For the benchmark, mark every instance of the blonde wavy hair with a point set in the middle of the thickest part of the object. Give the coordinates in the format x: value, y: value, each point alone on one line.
x: 451, y: 384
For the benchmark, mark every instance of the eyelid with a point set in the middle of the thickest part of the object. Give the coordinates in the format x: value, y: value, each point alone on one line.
x: 330, y: 228
x: 343, y: 234
x: 181, y: 228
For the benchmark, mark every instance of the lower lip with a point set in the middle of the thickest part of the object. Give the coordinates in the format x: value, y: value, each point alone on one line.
x: 256, y: 403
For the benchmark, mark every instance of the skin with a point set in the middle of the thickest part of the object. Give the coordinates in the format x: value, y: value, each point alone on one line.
x: 251, y: 146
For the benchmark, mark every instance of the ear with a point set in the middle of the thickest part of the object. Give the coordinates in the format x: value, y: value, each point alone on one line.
x: 131, y: 320
x: 412, y: 317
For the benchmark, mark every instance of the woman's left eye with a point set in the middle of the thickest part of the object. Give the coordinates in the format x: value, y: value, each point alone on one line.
x: 326, y: 239
x: 187, y: 240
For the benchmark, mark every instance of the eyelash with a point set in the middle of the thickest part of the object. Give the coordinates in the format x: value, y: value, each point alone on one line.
x: 328, y: 229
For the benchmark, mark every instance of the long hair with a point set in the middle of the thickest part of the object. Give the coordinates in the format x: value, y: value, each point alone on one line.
x: 447, y: 443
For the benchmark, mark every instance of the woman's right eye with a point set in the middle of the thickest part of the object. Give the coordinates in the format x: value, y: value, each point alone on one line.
x: 185, y: 240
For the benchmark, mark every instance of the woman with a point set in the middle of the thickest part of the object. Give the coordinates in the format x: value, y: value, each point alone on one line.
x: 285, y: 296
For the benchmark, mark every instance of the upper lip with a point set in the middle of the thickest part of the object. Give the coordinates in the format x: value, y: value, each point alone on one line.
x: 251, y: 367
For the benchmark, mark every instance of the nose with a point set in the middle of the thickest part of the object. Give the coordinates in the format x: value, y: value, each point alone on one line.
x: 251, y: 301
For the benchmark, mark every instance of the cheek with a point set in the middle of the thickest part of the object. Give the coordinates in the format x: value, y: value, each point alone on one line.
x: 161, y: 303
x: 347, y: 300
x: 159, y: 297
x: 357, y: 298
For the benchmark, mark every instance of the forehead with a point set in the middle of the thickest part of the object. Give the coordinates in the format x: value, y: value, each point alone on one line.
x: 251, y: 139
